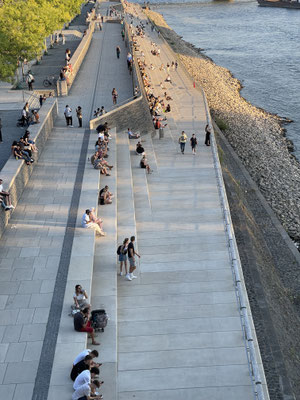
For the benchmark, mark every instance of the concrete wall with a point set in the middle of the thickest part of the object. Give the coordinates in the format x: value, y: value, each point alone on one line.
x: 76, y: 60
x: 16, y: 173
x: 134, y: 115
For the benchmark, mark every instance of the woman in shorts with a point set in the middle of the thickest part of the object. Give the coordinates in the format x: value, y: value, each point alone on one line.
x: 123, y: 256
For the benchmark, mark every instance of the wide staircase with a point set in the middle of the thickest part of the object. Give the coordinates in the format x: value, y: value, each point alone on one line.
x: 175, y: 331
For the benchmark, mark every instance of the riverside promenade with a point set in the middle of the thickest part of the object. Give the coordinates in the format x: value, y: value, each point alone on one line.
x: 32, y: 246
x: 178, y: 325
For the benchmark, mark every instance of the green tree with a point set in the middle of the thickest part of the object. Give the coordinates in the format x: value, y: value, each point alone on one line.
x: 24, y: 25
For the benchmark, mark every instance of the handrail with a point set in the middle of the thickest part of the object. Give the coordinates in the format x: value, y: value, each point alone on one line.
x: 233, y: 248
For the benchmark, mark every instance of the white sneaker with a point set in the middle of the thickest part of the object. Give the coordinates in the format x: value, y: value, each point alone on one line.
x: 11, y: 207
x: 133, y: 276
x: 121, y: 273
x: 128, y: 277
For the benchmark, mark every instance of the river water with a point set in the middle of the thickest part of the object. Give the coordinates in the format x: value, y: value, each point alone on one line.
x: 259, y: 45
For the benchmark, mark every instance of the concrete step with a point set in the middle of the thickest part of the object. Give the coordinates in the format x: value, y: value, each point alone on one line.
x: 104, y: 286
x: 69, y: 342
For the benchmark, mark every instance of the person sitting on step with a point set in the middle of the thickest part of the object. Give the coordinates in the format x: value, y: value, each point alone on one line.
x: 82, y: 323
x: 144, y: 164
x: 133, y: 135
x: 105, y: 196
x: 139, y: 149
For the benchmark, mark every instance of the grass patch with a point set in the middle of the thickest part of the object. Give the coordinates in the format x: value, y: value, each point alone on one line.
x: 221, y: 124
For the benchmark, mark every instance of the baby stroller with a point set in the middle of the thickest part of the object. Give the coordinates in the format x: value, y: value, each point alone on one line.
x: 99, y: 320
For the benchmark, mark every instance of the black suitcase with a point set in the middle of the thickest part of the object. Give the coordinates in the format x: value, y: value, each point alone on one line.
x: 99, y: 319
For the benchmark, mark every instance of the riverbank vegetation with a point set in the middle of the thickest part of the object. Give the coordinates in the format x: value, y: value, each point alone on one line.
x: 24, y: 25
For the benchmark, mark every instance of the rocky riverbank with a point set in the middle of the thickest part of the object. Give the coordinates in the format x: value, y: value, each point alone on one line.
x: 257, y: 136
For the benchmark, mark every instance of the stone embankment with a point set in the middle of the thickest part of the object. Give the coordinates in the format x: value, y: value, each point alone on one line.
x: 257, y: 136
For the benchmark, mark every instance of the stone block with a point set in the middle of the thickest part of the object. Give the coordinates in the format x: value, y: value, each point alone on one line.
x: 21, y: 372
x: 23, y: 391
x: 41, y: 315
x: 25, y: 316
x: 33, y: 351
x: 15, y: 352
x: 12, y: 333
x: 33, y: 333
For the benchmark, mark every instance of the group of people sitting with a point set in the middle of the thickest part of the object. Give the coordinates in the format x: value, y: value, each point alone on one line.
x: 99, y: 112
x: 28, y: 117
x: 90, y: 220
x: 85, y: 375
x: 24, y: 148
x: 101, y: 150
x: 158, y: 105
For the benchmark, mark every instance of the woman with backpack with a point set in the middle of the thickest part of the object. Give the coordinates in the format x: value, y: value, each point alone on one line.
x: 122, y: 253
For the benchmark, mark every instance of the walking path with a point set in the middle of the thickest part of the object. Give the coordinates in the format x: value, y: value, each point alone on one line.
x: 179, y: 328
x: 30, y: 249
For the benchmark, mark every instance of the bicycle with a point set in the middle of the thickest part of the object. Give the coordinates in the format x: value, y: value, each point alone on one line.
x: 49, y: 81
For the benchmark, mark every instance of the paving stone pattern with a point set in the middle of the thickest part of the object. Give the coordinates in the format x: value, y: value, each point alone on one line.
x: 30, y: 248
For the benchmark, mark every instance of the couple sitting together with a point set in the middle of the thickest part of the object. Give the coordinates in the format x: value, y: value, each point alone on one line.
x: 144, y: 162
x: 90, y: 220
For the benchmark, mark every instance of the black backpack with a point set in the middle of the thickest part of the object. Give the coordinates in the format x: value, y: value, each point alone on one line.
x: 119, y: 249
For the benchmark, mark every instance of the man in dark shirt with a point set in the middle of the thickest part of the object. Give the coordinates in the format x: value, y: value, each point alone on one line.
x: 81, y: 366
x: 82, y: 323
x: 131, y: 258
x: 102, y: 128
x: 139, y: 148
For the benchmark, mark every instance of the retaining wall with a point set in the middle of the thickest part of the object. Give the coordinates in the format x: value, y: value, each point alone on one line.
x: 16, y: 173
x: 76, y: 60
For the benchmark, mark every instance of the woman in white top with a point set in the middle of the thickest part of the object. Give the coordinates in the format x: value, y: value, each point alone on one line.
x: 87, y: 222
x: 80, y: 296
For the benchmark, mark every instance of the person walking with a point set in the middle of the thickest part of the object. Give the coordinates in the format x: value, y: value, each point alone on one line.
x: 30, y: 80
x: 114, y: 94
x: 194, y: 143
x: 129, y: 59
x: 118, y: 51
x: 63, y: 39
x: 182, y: 141
x: 131, y: 257
x: 68, y: 116
x: 1, y: 140
x: 123, y: 257
x: 79, y: 116
x: 207, y: 135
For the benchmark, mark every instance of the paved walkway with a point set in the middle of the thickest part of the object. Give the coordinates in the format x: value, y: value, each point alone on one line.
x: 179, y: 329
x: 30, y: 249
